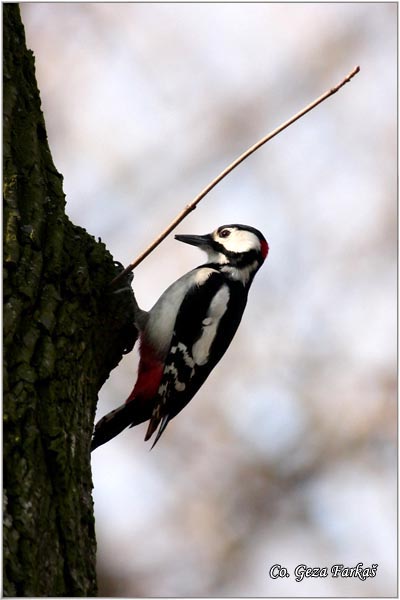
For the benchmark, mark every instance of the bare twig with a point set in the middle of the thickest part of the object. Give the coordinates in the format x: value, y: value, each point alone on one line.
x: 228, y: 169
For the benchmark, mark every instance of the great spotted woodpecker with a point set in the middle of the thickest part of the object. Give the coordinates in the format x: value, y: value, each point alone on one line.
x: 188, y: 330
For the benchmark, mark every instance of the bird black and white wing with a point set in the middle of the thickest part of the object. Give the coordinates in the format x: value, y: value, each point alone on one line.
x: 205, y: 325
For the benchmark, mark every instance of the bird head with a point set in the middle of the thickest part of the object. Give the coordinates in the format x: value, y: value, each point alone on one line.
x: 236, y: 246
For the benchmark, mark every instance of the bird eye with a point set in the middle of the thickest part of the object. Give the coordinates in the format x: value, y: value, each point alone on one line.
x: 224, y: 233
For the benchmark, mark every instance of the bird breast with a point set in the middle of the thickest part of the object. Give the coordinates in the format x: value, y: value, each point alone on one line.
x: 161, y: 321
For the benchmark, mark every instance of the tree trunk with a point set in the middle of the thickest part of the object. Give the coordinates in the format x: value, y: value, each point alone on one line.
x: 64, y: 330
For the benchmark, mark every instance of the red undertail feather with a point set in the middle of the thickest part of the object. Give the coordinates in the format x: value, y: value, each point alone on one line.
x: 139, y: 406
x: 149, y: 375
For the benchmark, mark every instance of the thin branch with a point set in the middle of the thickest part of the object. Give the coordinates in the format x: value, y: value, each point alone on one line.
x: 228, y: 169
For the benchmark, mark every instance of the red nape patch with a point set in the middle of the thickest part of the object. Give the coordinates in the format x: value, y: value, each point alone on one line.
x: 149, y: 374
x: 264, y: 249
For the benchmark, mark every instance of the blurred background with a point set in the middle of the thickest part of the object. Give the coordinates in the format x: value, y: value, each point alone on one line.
x: 288, y: 453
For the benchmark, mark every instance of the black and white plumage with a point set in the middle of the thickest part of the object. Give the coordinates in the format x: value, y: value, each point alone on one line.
x: 188, y: 330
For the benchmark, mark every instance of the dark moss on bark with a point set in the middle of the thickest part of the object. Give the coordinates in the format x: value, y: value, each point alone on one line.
x: 64, y: 331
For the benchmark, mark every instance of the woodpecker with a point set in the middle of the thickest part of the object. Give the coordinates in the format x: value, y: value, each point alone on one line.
x: 188, y: 330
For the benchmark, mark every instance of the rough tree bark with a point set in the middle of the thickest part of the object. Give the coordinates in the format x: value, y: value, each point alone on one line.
x: 63, y: 333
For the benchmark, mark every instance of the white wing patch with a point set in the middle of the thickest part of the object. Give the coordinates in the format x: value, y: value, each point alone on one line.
x: 161, y: 318
x: 202, y: 275
x: 218, y: 306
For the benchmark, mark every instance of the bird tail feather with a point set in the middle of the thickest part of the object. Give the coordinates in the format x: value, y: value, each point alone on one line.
x: 116, y: 421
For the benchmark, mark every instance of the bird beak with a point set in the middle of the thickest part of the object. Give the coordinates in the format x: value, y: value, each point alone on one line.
x: 194, y: 240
